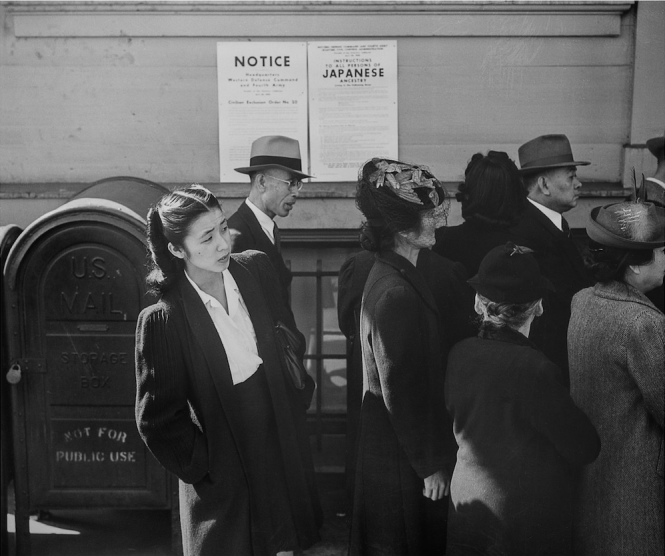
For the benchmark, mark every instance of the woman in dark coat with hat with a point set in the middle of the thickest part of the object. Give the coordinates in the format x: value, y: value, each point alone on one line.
x: 454, y: 300
x: 213, y: 403
x: 492, y: 197
x: 518, y: 430
x: 404, y: 447
x: 616, y: 342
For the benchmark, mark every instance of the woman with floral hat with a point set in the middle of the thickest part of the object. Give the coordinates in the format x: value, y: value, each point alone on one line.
x: 404, y: 456
x: 616, y: 345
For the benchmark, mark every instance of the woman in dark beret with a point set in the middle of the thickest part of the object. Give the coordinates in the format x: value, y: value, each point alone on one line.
x: 520, y: 434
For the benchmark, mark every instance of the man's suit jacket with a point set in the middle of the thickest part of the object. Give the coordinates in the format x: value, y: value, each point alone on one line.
x: 246, y: 233
x: 562, y: 264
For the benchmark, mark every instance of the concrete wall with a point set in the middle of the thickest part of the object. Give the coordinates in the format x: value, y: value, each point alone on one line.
x: 93, y: 90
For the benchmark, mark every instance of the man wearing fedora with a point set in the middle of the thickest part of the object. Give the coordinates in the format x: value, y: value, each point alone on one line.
x: 549, y: 171
x: 275, y: 171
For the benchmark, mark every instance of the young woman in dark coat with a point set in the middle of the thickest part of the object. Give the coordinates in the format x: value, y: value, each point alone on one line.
x: 519, y: 433
x: 404, y: 448
x: 492, y: 198
x: 214, y: 403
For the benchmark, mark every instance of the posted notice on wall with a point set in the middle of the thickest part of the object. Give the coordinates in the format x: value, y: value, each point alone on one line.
x: 353, y: 106
x: 262, y: 90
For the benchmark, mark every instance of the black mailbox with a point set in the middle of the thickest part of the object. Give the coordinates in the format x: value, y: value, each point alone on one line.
x: 74, y: 284
x: 8, y: 235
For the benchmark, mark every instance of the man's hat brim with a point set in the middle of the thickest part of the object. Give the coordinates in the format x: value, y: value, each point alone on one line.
x: 530, y: 170
x: 275, y: 151
x: 259, y: 167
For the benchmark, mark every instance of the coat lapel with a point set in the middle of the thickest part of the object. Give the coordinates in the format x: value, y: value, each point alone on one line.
x: 545, y: 223
x: 258, y: 312
x: 560, y: 239
x: 263, y: 242
x: 211, y: 350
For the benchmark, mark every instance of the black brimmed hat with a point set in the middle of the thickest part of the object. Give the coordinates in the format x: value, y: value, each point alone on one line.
x: 510, y: 274
x: 275, y: 151
x: 545, y: 152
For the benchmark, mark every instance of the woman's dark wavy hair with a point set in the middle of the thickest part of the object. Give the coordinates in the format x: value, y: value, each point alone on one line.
x: 169, y: 222
x: 386, y: 213
x: 607, y: 264
x: 492, y: 192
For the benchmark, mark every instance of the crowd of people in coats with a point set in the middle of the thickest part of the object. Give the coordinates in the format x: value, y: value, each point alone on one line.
x: 539, y: 429
x: 513, y: 378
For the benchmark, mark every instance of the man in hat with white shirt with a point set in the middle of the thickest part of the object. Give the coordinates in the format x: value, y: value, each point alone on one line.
x: 549, y: 171
x: 275, y: 171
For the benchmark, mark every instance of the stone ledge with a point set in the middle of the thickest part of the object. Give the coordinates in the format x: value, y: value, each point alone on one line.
x: 317, y: 190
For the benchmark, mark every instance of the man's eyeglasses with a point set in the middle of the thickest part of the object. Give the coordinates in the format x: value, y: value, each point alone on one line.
x: 293, y: 184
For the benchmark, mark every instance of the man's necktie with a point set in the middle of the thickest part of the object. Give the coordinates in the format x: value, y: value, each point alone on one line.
x: 565, y: 227
x: 278, y: 238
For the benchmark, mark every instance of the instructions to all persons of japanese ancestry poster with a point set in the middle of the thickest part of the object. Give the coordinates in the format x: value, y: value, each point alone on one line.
x: 353, y: 106
x: 262, y: 90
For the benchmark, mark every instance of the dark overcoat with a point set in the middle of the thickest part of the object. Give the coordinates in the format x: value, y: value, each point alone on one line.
x: 404, y: 428
x: 188, y: 417
x: 562, y: 264
x: 469, y: 242
x: 617, y: 375
x: 519, y: 435
x: 454, y: 300
x: 246, y: 233
x: 445, y: 279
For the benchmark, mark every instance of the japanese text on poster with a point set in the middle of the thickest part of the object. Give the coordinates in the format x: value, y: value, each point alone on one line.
x: 353, y: 106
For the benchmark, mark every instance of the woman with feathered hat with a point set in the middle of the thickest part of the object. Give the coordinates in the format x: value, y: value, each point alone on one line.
x: 616, y: 344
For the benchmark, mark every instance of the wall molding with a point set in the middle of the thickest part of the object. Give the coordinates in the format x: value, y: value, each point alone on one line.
x: 341, y: 18
x: 318, y: 190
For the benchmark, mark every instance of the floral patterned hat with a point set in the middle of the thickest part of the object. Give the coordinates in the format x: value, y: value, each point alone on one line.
x: 412, y: 183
